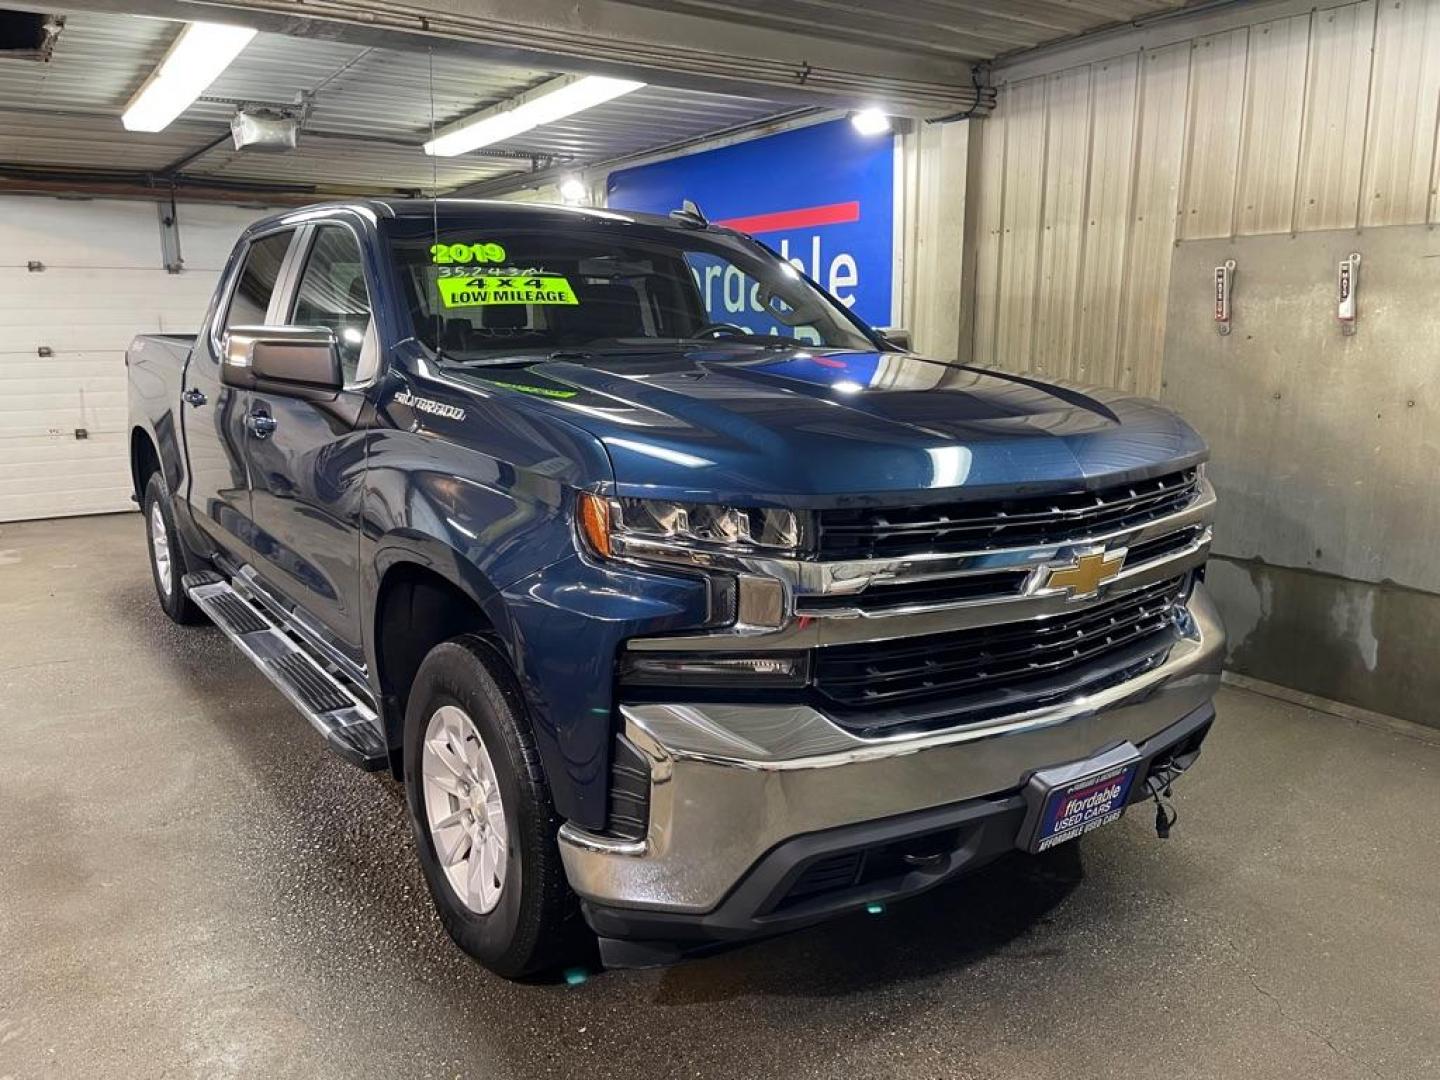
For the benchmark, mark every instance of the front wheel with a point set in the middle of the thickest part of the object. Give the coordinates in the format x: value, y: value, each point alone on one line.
x: 167, y: 554
x: 484, y: 826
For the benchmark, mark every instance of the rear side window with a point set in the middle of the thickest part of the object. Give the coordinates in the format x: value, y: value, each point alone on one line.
x: 332, y: 294
x: 257, y: 280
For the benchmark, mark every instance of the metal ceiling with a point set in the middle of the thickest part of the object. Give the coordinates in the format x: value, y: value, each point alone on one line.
x: 972, y: 30
x: 366, y: 113
x: 368, y: 107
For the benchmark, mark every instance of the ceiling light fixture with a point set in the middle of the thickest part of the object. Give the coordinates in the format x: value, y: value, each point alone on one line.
x: 195, y: 60
x: 870, y: 122
x: 548, y: 102
x: 572, y: 189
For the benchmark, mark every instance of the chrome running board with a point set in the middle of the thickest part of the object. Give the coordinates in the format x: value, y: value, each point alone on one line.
x: 349, y: 726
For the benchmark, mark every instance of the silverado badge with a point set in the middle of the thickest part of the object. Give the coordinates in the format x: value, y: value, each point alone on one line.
x: 1086, y: 573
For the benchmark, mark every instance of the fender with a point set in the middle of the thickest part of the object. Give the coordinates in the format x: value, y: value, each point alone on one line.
x: 478, y: 489
x: 476, y: 521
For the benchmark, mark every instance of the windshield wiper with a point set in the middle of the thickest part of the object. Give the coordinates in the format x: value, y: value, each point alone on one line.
x: 754, y: 341
x: 650, y: 347
x: 593, y: 352
x: 521, y: 361
x: 510, y: 360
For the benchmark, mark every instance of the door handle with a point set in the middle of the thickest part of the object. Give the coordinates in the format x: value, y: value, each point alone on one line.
x: 261, y: 425
x: 194, y: 397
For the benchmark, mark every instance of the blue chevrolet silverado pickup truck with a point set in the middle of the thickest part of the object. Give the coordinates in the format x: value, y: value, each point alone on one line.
x: 685, y: 623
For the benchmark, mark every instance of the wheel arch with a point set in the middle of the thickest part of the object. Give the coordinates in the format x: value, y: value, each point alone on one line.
x: 422, y: 598
x: 144, y: 460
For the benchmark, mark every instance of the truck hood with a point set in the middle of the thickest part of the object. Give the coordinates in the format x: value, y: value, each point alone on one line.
x: 815, y: 428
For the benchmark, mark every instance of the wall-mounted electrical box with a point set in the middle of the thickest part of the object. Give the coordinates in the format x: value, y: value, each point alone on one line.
x: 1224, y: 280
x: 1347, y: 281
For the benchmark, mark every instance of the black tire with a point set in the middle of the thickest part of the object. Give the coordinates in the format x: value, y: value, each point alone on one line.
x: 170, y: 593
x: 534, y: 926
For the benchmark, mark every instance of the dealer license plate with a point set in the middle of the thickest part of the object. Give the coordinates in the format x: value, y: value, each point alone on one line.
x: 1075, y: 799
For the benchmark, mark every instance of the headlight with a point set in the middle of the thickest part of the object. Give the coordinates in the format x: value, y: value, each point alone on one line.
x: 684, y: 532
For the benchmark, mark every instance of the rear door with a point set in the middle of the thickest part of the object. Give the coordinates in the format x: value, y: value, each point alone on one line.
x: 307, y: 457
x: 213, y: 413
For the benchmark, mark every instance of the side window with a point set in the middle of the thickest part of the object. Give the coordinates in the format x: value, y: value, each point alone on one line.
x: 332, y: 293
x: 258, y: 275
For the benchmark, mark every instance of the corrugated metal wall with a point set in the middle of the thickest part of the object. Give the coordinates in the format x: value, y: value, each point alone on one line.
x: 930, y: 237
x: 1090, y: 174
x: 1117, y: 173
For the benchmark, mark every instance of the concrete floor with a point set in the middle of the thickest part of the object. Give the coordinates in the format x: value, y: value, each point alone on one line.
x: 190, y: 885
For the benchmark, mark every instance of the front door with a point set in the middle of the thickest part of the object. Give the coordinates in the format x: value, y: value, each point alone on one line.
x: 307, y: 458
x: 214, y: 414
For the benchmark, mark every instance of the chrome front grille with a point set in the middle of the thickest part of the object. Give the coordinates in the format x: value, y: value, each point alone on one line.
x: 987, y: 525
x: 972, y: 626
x: 1011, y: 665
x: 1167, y: 544
x: 921, y: 593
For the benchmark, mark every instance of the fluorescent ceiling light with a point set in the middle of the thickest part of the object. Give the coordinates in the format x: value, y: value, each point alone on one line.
x: 547, y: 103
x: 870, y: 122
x: 201, y: 52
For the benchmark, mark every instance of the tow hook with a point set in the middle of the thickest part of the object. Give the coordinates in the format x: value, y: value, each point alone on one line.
x: 924, y: 854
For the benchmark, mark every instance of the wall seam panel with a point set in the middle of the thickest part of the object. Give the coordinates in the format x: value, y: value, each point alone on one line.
x: 1305, y: 104
x: 1122, y: 332
x: 1241, y: 149
x: 1072, y: 362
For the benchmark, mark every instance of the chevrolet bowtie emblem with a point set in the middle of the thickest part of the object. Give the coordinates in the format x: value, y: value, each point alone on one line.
x: 1084, y: 576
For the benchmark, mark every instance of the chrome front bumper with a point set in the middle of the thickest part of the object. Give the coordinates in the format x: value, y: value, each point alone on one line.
x: 730, y: 782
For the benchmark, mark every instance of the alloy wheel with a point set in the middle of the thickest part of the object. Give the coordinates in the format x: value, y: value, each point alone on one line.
x: 464, y: 809
x: 160, y: 547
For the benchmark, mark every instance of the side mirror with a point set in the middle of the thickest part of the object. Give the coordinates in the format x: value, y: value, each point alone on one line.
x: 295, y: 361
x: 898, y: 337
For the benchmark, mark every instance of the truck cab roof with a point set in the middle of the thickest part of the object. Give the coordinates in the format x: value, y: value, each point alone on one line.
x: 453, y: 211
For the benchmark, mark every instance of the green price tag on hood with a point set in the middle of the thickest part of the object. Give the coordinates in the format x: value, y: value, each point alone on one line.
x: 484, y: 290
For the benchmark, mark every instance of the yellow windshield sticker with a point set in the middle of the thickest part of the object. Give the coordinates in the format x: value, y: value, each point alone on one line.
x: 464, y: 254
x: 483, y: 290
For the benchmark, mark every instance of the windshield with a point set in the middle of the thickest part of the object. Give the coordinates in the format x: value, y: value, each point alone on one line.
x: 479, y: 293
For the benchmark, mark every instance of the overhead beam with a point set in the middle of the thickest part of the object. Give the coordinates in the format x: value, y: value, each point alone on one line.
x: 605, y: 37
x: 138, y: 190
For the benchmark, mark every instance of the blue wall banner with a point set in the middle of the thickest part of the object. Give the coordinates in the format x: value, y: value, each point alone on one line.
x: 822, y: 196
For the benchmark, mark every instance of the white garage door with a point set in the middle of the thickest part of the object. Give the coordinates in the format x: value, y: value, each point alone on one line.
x: 63, y: 333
